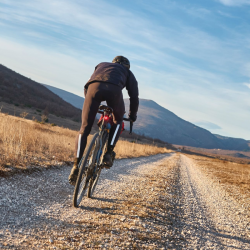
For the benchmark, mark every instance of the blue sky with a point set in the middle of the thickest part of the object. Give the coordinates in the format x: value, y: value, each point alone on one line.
x: 191, y: 57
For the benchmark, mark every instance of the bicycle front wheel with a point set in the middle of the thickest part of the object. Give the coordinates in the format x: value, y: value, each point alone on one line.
x: 96, y: 175
x: 84, y: 176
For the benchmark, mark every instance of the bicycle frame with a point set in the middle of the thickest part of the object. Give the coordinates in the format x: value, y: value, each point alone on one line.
x: 104, y: 128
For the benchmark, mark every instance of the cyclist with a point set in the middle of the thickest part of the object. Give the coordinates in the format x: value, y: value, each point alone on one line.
x: 106, y: 84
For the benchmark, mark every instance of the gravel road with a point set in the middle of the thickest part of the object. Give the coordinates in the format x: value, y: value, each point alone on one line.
x: 157, y: 202
x: 37, y: 208
x: 206, y: 217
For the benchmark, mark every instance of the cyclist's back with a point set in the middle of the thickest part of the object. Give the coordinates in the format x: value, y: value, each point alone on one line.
x: 113, y: 73
x: 106, y: 84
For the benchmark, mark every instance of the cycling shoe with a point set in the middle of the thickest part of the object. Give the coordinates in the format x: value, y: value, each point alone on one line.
x: 73, y: 176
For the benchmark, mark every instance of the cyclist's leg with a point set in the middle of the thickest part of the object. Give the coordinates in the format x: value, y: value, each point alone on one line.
x: 90, y: 107
x: 117, y: 104
x: 89, y: 110
x: 115, y: 131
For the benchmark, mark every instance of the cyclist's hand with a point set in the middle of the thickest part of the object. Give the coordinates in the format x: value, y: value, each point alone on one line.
x: 133, y: 117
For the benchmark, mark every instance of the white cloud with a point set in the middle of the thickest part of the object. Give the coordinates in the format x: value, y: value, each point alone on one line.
x: 101, y: 23
x: 127, y: 30
x: 247, y: 84
x: 234, y: 2
x: 207, y: 125
x: 225, y: 14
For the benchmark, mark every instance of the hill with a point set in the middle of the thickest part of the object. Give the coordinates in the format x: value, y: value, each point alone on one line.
x: 22, y: 91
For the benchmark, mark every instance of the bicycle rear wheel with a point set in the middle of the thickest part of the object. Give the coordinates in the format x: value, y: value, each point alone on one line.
x: 96, y: 175
x: 84, y: 176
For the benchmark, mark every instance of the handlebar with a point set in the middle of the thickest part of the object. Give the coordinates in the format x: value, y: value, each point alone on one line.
x: 131, y: 124
x: 127, y: 119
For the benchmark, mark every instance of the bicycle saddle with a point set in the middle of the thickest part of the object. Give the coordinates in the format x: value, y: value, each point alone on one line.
x: 105, y: 108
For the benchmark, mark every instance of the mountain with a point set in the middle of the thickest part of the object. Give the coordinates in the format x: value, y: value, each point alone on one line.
x: 75, y: 100
x: 157, y: 122
x: 235, y: 143
x: 20, y: 90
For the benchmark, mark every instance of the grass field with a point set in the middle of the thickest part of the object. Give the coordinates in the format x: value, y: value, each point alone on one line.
x: 25, y: 143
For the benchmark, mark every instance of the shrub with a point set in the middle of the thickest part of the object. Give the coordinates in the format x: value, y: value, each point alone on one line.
x: 24, y: 114
x: 44, y: 118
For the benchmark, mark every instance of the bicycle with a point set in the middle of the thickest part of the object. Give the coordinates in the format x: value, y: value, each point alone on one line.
x: 91, y: 164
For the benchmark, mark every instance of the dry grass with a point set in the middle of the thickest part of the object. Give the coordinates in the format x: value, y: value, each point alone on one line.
x: 27, y: 143
x: 24, y: 142
x: 125, y: 149
x: 228, y: 173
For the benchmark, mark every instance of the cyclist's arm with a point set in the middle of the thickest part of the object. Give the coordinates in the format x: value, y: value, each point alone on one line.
x: 133, y: 92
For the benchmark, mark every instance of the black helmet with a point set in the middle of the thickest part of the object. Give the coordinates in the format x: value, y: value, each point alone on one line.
x: 122, y: 60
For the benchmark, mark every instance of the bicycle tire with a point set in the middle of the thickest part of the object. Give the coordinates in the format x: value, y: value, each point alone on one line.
x: 93, y: 183
x: 82, y: 179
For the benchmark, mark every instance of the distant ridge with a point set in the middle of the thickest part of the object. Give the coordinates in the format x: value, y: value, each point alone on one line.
x: 153, y: 120
x: 75, y: 100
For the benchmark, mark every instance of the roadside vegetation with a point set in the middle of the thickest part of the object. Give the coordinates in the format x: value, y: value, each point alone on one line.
x: 25, y: 144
